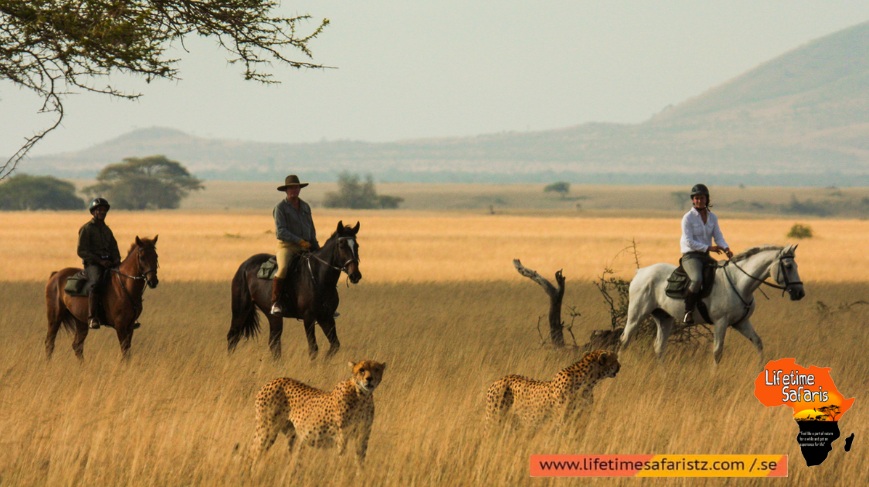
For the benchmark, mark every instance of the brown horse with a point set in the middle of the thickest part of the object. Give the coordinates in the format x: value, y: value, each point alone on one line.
x: 121, y: 301
x: 311, y: 293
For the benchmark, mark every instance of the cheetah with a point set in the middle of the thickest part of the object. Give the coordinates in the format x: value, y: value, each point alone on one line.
x: 535, y: 402
x: 319, y: 418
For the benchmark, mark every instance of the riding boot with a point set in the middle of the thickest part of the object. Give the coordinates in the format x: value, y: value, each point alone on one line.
x: 277, y: 293
x: 690, y: 302
x: 93, y: 310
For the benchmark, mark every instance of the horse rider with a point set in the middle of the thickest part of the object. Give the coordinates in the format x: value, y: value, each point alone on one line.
x: 99, y: 252
x: 294, y: 228
x: 699, y: 227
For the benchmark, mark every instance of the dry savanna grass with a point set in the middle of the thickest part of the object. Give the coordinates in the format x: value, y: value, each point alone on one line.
x: 442, y: 305
x: 424, y: 246
x: 181, y: 412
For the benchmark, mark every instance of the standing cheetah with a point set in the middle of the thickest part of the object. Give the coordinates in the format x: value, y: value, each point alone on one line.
x: 319, y: 418
x: 535, y: 402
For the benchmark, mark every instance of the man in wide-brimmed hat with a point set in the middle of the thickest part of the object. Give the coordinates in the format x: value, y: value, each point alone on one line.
x: 294, y: 228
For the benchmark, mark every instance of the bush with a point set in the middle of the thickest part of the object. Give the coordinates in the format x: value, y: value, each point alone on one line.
x: 800, y: 231
x: 352, y: 193
x: 24, y: 192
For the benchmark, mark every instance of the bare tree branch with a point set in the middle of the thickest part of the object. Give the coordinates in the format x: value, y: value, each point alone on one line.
x: 556, y: 296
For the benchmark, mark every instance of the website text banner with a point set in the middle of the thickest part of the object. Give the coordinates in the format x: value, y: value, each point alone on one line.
x: 659, y: 465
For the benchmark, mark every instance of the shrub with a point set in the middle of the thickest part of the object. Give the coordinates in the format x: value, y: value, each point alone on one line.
x: 800, y: 231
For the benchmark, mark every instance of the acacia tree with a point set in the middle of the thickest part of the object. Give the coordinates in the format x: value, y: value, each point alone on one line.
x: 148, y: 183
x: 352, y: 193
x: 57, y: 47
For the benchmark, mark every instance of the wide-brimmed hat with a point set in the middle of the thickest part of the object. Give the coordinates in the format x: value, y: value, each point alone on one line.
x: 291, y: 180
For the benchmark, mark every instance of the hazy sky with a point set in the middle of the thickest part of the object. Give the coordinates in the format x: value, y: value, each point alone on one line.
x: 412, y: 69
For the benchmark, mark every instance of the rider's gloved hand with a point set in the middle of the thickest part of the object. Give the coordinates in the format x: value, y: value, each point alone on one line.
x: 305, y: 244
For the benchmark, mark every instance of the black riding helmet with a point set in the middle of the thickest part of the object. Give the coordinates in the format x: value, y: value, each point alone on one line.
x: 97, y: 202
x: 701, y: 189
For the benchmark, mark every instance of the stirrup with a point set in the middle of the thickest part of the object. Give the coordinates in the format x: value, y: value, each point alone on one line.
x: 276, y: 310
x: 688, y: 319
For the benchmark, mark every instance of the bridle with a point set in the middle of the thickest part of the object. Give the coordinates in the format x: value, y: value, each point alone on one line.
x: 142, y: 276
x: 781, y: 271
x: 354, y: 257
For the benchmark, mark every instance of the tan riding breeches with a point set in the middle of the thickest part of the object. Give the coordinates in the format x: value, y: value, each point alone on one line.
x: 283, y: 254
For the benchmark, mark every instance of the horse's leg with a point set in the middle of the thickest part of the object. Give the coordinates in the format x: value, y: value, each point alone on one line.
x: 312, y: 339
x: 665, y: 327
x: 276, y: 328
x: 81, y: 332
x: 747, y: 331
x: 636, y: 311
x: 718, y: 333
x: 328, y: 326
x: 125, y: 338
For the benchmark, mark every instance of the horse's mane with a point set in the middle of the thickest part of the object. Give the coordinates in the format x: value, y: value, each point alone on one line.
x: 145, y: 241
x: 754, y: 250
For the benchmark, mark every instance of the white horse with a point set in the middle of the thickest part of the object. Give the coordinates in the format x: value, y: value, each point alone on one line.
x: 730, y: 303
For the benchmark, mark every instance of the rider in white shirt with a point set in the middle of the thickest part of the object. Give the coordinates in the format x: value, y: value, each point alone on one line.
x: 699, y: 227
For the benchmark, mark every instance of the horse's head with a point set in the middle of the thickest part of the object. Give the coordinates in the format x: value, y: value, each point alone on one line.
x: 348, y: 251
x: 785, y: 273
x: 146, y: 254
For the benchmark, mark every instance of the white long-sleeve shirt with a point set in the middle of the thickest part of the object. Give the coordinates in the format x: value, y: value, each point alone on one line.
x: 697, y: 236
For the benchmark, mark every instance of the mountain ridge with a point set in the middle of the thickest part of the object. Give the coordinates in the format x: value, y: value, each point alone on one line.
x: 798, y: 119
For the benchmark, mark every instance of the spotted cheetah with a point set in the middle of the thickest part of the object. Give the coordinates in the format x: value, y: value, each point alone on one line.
x: 535, y: 402
x: 319, y: 418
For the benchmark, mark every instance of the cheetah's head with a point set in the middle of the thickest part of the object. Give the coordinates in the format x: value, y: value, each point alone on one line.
x: 367, y: 375
x: 607, y: 362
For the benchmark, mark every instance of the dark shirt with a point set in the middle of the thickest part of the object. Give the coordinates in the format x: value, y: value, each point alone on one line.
x: 96, y: 242
x: 292, y: 225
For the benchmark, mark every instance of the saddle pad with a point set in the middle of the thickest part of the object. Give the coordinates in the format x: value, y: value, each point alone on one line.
x: 75, y: 284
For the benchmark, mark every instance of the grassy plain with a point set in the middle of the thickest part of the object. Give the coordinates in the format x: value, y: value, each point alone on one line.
x: 181, y: 412
x: 441, y: 303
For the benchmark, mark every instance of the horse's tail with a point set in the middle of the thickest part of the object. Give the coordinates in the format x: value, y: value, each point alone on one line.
x: 56, y: 311
x: 245, y: 321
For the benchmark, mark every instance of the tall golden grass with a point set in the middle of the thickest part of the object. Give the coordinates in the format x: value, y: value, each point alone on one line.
x: 423, y: 246
x: 181, y: 411
x: 442, y: 305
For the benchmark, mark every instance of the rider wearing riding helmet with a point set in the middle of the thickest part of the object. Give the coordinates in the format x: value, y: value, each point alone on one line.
x: 699, y: 227
x: 99, y: 252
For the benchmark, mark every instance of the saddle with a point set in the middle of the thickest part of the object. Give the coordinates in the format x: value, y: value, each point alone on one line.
x: 269, y: 268
x: 75, y: 284
x: 677, y: 283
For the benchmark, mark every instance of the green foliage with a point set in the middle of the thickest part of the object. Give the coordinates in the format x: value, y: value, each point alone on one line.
x: 800, y: 231
x: 560, y: 187
x: 24, y: 192
x: 150, y: 183
x: 352, y: 193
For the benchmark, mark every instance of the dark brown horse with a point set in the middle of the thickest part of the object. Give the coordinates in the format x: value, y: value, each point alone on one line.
x: 121, y: 299
x: 310, y: 293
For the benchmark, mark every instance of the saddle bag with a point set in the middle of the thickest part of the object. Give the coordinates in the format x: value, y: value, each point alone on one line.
x: 75, y: 284
x: 677, y: 283
x: 268, y: 269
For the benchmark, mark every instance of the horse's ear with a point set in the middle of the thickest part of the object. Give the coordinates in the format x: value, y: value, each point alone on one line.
x: 356, y: 229
x: 155, y: 239
x: 340, y: 226
x: 138, y: 241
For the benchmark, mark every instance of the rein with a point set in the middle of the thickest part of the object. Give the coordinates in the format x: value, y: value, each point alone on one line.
x: 763, y: 281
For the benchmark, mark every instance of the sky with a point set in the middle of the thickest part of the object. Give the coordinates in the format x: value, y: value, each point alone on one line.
x: 407, y: 69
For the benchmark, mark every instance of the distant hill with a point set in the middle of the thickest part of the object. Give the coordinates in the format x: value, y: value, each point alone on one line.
x: 799, y: 119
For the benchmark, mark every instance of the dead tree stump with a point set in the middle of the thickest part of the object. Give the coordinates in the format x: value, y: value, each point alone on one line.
x: 556, y: 295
